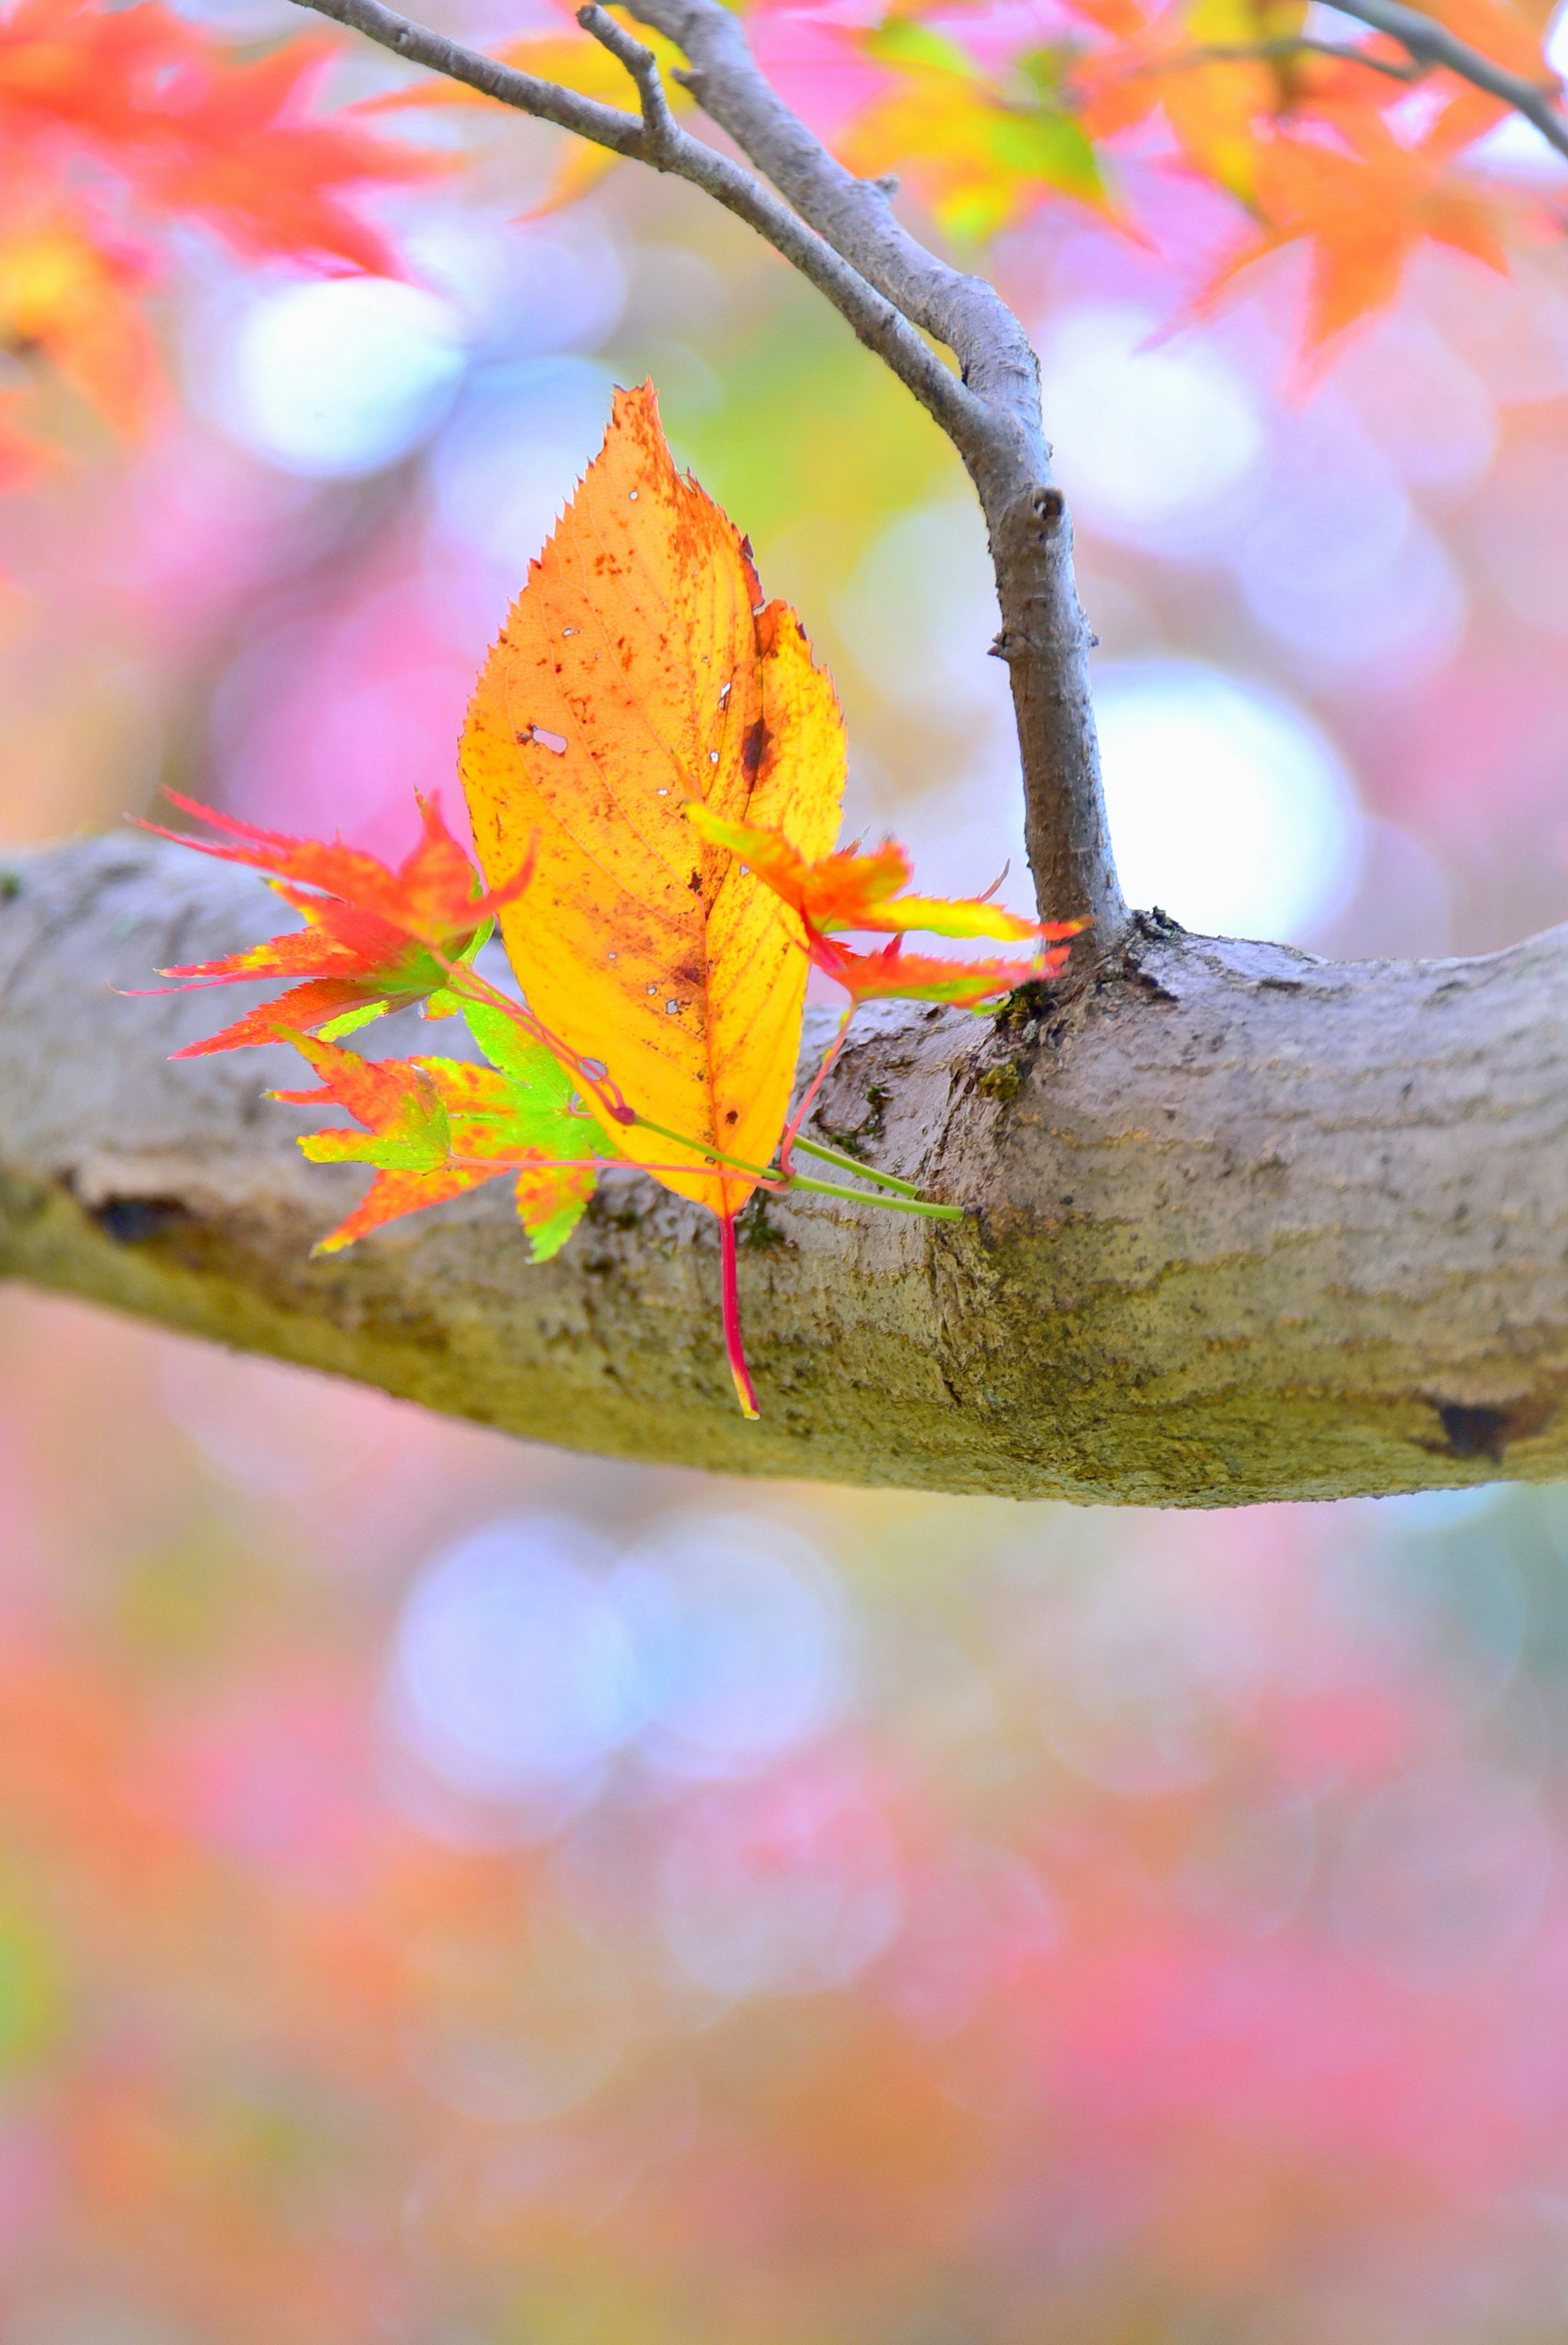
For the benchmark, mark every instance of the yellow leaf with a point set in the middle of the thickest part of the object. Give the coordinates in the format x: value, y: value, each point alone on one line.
x: 637, y: 671
x: 62, y: 293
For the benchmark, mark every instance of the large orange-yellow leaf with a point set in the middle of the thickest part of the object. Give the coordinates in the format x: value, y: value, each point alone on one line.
x: 638, y: 669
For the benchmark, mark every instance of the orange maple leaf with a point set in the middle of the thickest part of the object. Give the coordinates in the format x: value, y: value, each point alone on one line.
x: 375, y: 940
x: 269, y: 179
x: 195, y: 132
x: 855, y: 892
x: 851, y: 890
x: 1158, y: 61
x: 68, y: 289
x: 893, y: 974
x: 1362, y: 213
x: 437, y: 1125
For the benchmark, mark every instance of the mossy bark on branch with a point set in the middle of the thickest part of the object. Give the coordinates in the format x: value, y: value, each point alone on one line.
x: 1243, y: 1225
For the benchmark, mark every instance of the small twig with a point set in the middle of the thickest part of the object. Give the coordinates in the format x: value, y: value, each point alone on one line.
x: 1287, y: 45
x: 661, y: 130
x: 1432, y: 44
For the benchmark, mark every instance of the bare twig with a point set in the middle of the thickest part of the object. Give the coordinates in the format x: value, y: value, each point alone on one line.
x: 1432, y: 44
x: 1288, y: 44
x: 1044, y: 637
x: 665, y: 146
x: 661, y: 132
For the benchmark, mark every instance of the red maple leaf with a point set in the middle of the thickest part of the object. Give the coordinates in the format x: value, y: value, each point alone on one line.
x: 375, y: 940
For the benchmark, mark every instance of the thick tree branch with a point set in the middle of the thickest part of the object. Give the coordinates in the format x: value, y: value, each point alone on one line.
x: 1243, y: 1225
x: 1432, y: 44
x: 843, y: 238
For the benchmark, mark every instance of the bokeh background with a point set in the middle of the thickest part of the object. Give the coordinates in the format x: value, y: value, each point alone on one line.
x: 456, y: 1893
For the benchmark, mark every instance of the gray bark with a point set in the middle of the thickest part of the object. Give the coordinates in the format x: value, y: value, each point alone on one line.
x: 1242, y: 1225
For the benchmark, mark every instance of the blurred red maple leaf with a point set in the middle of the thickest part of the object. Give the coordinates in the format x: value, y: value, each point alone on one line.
x: 195, y: 132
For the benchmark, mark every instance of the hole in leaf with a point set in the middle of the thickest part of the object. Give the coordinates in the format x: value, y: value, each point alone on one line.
x: 554, y: 741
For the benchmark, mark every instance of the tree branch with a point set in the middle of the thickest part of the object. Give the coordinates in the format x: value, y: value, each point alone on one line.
x: 1242, y: 1225
x: 1043, y: 636
x: 1432, y: 43
x: 668, y: 147
x: 842, y: 237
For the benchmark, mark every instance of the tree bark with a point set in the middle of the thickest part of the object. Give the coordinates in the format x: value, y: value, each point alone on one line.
x: 1243, y: 1224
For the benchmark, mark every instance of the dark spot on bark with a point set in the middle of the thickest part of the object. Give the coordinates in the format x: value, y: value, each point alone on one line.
x: 132, y: 1221
x: 1473, y: 1429
x: 753, y: 746
x: 1027, y: 1005
x: 1001, y: 1084
x: 10, y: 887
x: 1474, y: 1432
x: 1158, y: 923
x: 1048, y: 506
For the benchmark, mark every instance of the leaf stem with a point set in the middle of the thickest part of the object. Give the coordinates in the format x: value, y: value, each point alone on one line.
x: 774, y: 1180
x: 868, y: 1197
x: 791, y: 1129
x: 852, y: 1164
x: 729, y: 1287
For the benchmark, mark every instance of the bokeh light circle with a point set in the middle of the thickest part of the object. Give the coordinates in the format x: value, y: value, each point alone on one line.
x: 1227, y: 807
x: 340, y: 376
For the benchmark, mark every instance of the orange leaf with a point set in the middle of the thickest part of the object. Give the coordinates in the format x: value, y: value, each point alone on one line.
x: 65, y: 291
x: 926, y: 977
x: 434, y: 895
x: 433, y: 1124
x: 1361, y: 216
x: 637, y: 670
x: 195, y: 132
x: 850, y: 890
x: 378, y: 941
